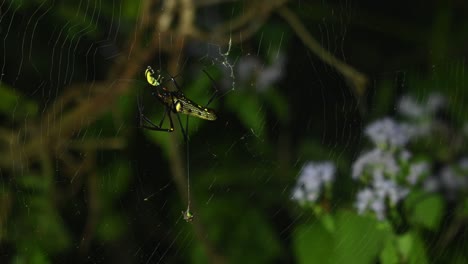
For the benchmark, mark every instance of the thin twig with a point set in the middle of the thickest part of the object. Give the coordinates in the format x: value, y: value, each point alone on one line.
x: 355, y: 79
x: 98, y: 144
x: 94, y: 211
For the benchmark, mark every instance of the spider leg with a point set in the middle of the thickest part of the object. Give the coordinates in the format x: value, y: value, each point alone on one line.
x: 184, y: 131
x: 145, y: 122
x: 175, y: 83
x: 213, y: 86
x: 166, y: 111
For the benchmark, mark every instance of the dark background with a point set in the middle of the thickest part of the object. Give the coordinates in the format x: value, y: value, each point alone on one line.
x: 81, y: 182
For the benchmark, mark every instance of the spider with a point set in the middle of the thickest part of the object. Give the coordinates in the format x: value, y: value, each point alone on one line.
x: 175, y: 102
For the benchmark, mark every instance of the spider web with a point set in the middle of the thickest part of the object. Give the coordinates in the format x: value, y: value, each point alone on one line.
x: 303, y: 88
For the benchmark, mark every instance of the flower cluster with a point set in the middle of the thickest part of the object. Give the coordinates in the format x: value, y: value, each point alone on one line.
x: 408, y: 107
x: 398, y: 163
x: 451, y: 179
x: 388, y: 172
x: 381, y: 169
x: 374, y: 198
x: 420, y: 114
x: 375, y: 163
x: 378, y: 170
x: 312, y: 179
x: 387, y: 132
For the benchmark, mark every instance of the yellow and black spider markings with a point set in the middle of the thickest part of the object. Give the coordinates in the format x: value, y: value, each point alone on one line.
x: 149, y: 73
x: 176, y: 100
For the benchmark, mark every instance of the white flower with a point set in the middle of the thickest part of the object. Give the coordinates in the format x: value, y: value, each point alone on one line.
x: 246, y: 67
x: 435, y: 102
x: 417, y: 170
x: 431, y: 184
x: 375, y: 162
x: 364, y: 198
x: 251, y: 68
x: 312, y: 178
x: 389, y: 189
x: 388, y: 132
x: 452, y: 180
x: 368, y: 200
x: 375, y: 197
x: 421, y: 113
x: 299, y: 194
x: 408, y: 107
x: 272, y: 73
x: 379, y: 208
x: 405, y: 155
x: 463, y: 163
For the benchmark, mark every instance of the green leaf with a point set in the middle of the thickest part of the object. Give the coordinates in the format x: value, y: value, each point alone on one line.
x: 278, y: 104
x: 34, y: 182
x: 412, y: 249
x: 15, y: 105
x: 114, y: 180
x: 464, y: 211
x: 247, y: 237
x: 38, y: 216
x: 328, y: 222
x: 35, y: 214
x: 161, y: 139
x: 389, y: 254
x: 359, y: 238
x: 130, y: 9
x: 198, y: 255
x: 126, y: 106
x: 425, y: 209
x: 248, y: 109
x: 313, y: 243
x: 30, y: 253
x: 356, y: 238
x: 51, y: 230
x: 201, y: 86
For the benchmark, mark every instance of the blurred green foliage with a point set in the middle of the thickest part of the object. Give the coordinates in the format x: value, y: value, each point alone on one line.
x: 14, y: 105
x: 120, y: 204
x: 425, y: 210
